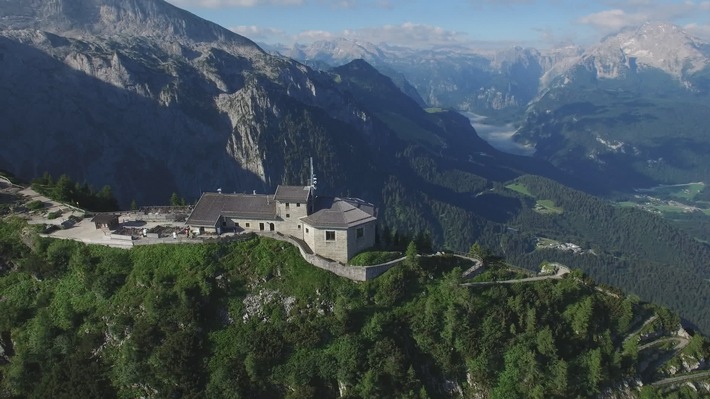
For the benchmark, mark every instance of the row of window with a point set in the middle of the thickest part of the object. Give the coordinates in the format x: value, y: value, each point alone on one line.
x: 298, y: 205
x: 329, y: 234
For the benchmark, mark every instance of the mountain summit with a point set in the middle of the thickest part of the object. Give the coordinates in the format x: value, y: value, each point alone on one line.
x: 661, y: 46
x: 116, y: 19
x: 630, y: 111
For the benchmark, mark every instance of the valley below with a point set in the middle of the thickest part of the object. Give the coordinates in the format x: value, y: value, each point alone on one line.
x: 500, y: 137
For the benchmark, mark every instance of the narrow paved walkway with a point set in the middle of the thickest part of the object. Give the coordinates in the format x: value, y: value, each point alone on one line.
x: 654, y: 364
x: 638, y: 330
x: 682, y: 343
x: 561, y: 271
x: 682, y: 378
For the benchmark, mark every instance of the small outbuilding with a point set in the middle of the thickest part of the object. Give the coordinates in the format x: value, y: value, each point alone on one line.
x: 106, y: 221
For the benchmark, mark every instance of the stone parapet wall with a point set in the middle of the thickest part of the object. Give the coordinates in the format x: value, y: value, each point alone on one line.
x: 355, y: 273
x: 120, y: 237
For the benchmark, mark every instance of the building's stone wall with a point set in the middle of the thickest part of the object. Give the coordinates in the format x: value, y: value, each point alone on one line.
x: 291, y: 213
x: 309, y: 236
x: 294, y: 210
x: 250, y: 224
x: 358, y: 244
x: 336, y: 249
x: 292, y: 228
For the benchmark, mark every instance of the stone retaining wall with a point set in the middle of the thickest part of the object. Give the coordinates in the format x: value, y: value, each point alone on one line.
x: 355, y: 273
x: 120, y: 237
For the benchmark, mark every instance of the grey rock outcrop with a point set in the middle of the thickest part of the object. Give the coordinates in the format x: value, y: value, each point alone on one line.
x: 148, y: 98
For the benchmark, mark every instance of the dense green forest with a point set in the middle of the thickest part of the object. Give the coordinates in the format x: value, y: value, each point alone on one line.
x: 252, y: 319
x: 83, y: 196
x: 626, y: 247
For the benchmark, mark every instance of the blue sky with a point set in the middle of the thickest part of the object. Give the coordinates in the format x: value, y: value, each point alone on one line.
x: 477, y: 23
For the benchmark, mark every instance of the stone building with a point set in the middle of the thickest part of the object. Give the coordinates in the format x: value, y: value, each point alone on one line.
x: 340, y: 227
x: 334, y: 228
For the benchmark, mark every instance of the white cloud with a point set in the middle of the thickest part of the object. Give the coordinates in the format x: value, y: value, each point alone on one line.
x: 254, y: 3
x: 310, y: 36
x: 357, y: 4
x: 612, y: 20
x: 635, y: 12
x: 234, y: 3
x: 408, y: 33
x: 257, y: 32
x: 700, y: 30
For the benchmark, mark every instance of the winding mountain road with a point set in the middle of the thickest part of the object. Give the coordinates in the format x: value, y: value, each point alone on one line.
x: 682, y: 343
x: 638, y: 330
x: 561, y: 271
x: 681, y: 378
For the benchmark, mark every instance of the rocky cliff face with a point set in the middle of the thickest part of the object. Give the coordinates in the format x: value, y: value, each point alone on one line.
x: 115, y: 91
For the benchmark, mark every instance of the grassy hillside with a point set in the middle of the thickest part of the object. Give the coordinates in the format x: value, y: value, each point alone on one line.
x: 251, y: 319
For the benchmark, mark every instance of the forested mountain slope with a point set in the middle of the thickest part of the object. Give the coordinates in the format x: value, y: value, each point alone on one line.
x: 627, y: 247
x: 252, y: 319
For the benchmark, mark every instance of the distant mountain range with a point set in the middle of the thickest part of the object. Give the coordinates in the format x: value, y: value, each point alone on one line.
x: 632, y: 109
x: 633, y: 106
x: 490, y: 82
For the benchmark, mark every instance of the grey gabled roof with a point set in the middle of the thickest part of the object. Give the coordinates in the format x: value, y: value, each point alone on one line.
x: 292, y: 194
x: 242, y: 206
x: 340, y: 213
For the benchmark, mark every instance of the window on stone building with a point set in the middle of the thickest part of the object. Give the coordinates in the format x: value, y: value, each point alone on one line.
x: 288, y: 215
x: 287, y: 205
x: 307, y: 230
x: 330, y: 235
x: 299, y: 227
x: 246, y: 224
x: 298, y: 204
